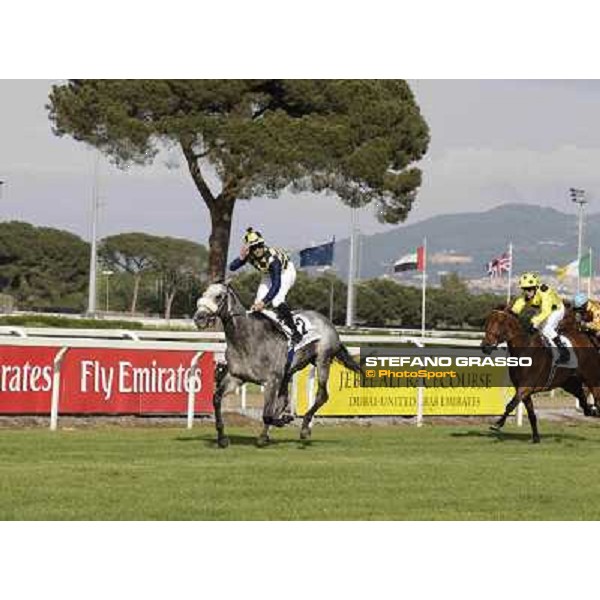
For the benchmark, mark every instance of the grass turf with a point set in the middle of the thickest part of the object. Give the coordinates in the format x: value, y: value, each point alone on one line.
x: 346, y: 472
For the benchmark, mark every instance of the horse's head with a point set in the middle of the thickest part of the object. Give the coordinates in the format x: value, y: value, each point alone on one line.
x: 212, y: 305
x: 499, y: 327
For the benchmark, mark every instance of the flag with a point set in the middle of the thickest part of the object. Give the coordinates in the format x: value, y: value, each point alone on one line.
x: 500, y: 264
x: 411, y: 262
x: 316, y: 256
x: 583, y: 267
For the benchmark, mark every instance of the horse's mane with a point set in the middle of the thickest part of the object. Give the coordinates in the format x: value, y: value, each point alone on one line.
x: 505, y: 310
x: 232, y: 291
x: 255, y: 315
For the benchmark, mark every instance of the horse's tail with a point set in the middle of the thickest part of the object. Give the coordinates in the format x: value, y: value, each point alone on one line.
x: 346, y: 359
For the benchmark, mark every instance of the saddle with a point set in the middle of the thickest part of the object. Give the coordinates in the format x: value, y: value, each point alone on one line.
x: 303, y: 325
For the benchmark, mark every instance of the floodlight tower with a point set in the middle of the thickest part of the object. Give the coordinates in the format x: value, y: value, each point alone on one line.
x: 578, y: 196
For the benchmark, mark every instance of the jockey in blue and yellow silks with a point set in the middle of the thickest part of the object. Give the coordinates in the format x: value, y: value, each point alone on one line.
x: 550, y: 313
x: 279, y: 275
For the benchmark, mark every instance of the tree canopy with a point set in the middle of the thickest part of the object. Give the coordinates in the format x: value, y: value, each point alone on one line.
x: 359, y: 139
x: 129, y: 253
x: 181, y: 265
x: 41, y: 267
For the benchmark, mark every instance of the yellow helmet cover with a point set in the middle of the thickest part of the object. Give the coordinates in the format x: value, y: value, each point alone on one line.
x: 253, y: 238
x: 529, y: 280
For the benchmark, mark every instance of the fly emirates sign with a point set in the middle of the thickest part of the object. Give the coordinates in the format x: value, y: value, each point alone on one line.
x: 125, y: 378
x: 105, y: 380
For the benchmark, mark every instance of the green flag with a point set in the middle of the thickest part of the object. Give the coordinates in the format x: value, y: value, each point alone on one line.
x: 585, y: 265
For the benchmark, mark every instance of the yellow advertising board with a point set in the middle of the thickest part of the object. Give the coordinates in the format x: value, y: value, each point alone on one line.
x: 348, y: 398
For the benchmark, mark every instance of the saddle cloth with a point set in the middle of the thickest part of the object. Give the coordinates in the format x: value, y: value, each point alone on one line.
x: 303, y: 325
x: 572, y: 363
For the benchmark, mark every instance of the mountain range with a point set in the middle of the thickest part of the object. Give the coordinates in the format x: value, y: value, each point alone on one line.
x: 464, y: 243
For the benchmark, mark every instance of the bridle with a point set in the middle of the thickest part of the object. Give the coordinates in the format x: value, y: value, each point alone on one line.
x: 504, y: 315
x: 215, y: 309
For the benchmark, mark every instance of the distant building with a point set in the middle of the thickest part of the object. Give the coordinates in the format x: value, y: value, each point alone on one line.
x: 450, y: 258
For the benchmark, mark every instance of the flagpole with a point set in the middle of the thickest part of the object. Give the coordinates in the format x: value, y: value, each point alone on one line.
x: 91, y: 308
x: 423, y: 287
x: 589, y: 287
x: 351, y: 268
x: 332, y: 280
x: 510, y: 261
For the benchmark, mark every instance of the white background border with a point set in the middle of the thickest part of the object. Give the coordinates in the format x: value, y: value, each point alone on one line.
x: 421, y: 39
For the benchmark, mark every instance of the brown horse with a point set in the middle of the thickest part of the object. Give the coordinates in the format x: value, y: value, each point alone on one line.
x: 504, y: 326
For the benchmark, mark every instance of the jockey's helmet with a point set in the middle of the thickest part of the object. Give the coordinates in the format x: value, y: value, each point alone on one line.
x: 253, y: 238
x: 529, y: 280
x: 580, y: 300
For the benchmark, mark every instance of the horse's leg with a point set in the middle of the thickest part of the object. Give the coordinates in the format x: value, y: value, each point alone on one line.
x: 271, y: 408
x: 284, y: 401
x: 285, y: 416
x: 323, y: 367
x: 499, y: 424
x: 226, y: 383
x: 575, y: 387
x: 595, y: 391
x: 528, y: 402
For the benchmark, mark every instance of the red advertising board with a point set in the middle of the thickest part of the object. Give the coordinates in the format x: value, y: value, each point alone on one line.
x: 26, y: 379
x: 104, y: 381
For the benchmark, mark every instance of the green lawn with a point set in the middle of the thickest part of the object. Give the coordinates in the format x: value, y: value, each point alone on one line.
x: 347, y: 472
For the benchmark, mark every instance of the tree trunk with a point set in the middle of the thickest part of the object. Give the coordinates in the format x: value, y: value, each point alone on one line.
x: 220, y: 208
x: 169, y: 297
x: 136, y: 288
x: 220, y: 215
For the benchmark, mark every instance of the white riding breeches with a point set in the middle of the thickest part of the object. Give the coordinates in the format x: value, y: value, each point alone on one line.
x: 550, y: 325
x: 288, y: 278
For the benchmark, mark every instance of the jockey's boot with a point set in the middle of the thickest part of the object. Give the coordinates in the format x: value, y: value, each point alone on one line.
x: 563, y: 351
x: 284, y: 314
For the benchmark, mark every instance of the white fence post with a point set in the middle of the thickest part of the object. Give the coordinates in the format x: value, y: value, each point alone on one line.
x: 420, y: 393
x: 191, y: 405
x: 294, y: 395
x: 56, y: 365
x: 310, y: 388
x: 520, y: 415
x: 244, y: 397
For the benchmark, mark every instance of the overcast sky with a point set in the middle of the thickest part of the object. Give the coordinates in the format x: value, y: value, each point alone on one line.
x: 493, y: 142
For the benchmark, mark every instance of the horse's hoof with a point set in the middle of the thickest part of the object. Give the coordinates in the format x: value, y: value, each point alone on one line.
x: 496, y: 428
x: 223, y: 442
x: 262, y: 441
x: 535, y: 440
x: 305, y: 433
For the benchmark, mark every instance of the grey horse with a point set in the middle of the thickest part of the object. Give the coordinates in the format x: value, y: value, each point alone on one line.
x: 257, y: 351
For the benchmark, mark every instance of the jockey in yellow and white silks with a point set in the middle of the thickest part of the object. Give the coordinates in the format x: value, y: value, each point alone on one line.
x: 279, y: 275
x: 550, y: 307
